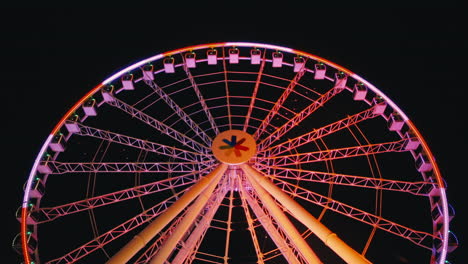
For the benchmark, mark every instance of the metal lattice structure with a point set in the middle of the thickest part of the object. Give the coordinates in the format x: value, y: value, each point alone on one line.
x: 234, y: 153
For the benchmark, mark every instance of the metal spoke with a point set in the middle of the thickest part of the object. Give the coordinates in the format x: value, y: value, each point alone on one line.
x: 194, y: 237
x: 251, y: 228
x: 298, y: 118
x: 275, y: 233
x: 318, y: 133
x: 180, y: 112
x: 420, y: 238
x: 47, y: 214
x: 57, y: 167
x: 279, y: 103
x: 115, y: 232
x: 323, y: 233
x: 131, y: 248
x: 254, y: 94
x: 141, y: 144
x: 159, y: 126
x: 303, y: 158
x: 417, y: 188
x: 294, y: 237
x: 226, y: 87
x: 201, y: 100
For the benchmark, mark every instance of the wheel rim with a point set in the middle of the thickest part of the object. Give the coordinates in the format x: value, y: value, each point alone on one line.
x: 291, y: 111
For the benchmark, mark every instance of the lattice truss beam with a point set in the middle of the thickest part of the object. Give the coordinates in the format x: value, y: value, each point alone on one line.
x: 57, y: 167
x: 46, y: 214
x: 180, y: 112
x: 318, y: 133
x: 201, y: 100
x: 420, y: 238
x: 298, y: 118
x: 141, y: 144
x: 159, y: 126
x: 115, y: 232
x: 332, y: 154
x: 416, y: 188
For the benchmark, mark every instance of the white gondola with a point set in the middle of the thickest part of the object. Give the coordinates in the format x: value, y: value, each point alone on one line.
x: 212, y: 56
x: 233, y: 55
x: 255, y: 56
x: 320, y: 70
x: 277, y: 59
x: 127, y: 82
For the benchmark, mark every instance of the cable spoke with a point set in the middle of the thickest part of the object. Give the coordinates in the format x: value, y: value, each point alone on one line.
x: 51, y: 213
x: 303, y: 158
x: 141, y: 144
x: 279, y: 103
x: 254, y: 94
x: 264, y: 221
x: 158, y: 125
x: 318, y: 133
x: 195, y: 237
x: 294, y: 237
x: 201, y: 100
x: 298, y: 118
x: 416, y: 188
x: 275, y: 233
x: 180, y: 112
x: 420, y: 238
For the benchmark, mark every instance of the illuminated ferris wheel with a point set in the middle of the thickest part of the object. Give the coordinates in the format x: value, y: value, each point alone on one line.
x: 234, y: 153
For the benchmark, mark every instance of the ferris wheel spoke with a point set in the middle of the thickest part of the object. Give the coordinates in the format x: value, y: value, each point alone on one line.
x: 251, y: 227
x: 332, y: 154
x: 180, y: 112
x: 318, y: 133
x: 298, y: 118
x: 417, y: 188
x: 420, y: 238
x: 226, y: 87
x: 201, y: 100
x: 279, y: 103
x: 322, y: 232
x: 159, y: 126
x: 254, y: 93
x: 51, y: 213
x: 275, y: 233
x: 194, y: 238
x: 116, y: 232
x: 140, y: 144
x: 57, y: 167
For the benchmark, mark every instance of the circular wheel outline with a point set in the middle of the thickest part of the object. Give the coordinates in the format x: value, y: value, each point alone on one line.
x: 427, y: 151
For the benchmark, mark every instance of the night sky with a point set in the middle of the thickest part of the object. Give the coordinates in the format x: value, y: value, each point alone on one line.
x: 53, y: 57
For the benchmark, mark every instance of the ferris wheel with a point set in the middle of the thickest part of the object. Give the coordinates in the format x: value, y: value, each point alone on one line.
x: 234, y: 153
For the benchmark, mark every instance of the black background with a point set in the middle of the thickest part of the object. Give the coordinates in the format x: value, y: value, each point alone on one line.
x: 52, y: 57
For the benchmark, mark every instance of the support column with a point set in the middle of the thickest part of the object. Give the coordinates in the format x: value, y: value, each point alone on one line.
x: 282, y: 220
x: 202, y: 226
x: 267, y: 224
x: 323, y: 233
x: 193, y: 211
x: 140, y: 240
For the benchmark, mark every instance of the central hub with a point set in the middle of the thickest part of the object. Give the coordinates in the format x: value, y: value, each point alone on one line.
x: 234, y: 147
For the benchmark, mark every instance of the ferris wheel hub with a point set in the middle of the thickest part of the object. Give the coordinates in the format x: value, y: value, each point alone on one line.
x: 234, y: 147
